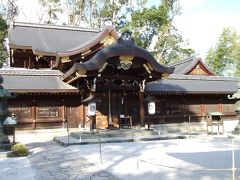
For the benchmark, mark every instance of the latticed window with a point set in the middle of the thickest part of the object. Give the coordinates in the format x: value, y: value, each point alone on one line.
x: 48, y: 112
x: 174, y: 108
x: 72, y: 112
x: 22, y: 111
x: 72, y: 116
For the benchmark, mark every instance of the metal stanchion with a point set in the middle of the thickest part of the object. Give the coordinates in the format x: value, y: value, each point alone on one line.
x: 100, y: 149
x: 233, y: 160
x: 68, y: 131
x: 131, y: 127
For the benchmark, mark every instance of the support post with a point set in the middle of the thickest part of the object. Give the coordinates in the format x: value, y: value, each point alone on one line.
x: 109, y: 107
x: 233, y: 160
x: 63, y: 113
x: 141, y: 108
x: 189, y: 126
x: 34, y: 114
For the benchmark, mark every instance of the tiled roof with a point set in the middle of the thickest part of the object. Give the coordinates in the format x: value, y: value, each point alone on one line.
x: 194, y: 84
x: 121, y: 47
x: 186, y: 65
x: 53, y: 26
x: 30, y: 72
x: 34, y: 81
x: 51, y: 39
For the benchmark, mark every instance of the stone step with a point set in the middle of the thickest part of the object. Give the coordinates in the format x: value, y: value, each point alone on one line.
x: 112, y: 134
x: 180, y: 127
x: 67, y: 141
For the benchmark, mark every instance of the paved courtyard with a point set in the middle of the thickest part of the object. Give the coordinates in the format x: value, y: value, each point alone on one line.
x: 208, y: 157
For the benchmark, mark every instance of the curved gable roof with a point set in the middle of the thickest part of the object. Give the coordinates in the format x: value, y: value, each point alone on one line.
x: 120, y: 48
x: 53, y: 40
x: 187, y: 65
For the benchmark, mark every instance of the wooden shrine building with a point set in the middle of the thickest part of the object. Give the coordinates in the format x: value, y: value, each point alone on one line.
x: 56, y: 70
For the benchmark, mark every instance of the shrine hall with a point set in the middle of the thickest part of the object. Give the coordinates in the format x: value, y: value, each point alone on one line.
x: 56, y: 71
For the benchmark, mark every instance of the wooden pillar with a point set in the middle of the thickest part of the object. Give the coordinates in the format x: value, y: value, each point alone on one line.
x: 184, y: 107
x: 63, y: 113
x: 29, y: 62
x: 141, y: 109
x: 11, y: 57
x: 220, y: 106
x: 85, y: 121
x: 82, y: 115
x: 203, y: 111
x: 34, y: 114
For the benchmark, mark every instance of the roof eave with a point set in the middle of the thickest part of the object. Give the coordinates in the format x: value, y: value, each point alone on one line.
x: 105, y: 32
x: 46, y: 91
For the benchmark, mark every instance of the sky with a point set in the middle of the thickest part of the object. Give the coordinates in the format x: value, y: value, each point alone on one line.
x: 200, y: 22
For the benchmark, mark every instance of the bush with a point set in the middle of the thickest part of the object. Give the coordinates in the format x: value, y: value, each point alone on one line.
x: 19, y: 150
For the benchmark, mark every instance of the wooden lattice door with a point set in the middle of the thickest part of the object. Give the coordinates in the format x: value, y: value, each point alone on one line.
x: 73, y: 116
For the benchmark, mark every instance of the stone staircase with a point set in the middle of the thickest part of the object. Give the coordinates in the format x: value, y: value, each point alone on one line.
x: 181, y: 128
x: 114, y: 136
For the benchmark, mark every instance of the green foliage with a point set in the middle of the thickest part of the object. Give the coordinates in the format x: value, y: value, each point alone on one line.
x: 112, y: 12
x: 19, y: 150
x: 224, y: 57
x: 76, y: 10
x: 149, y: 22
x: 152, y: 29
x: 170, y: 47
x: 52, y: 7
x: 3, y: 33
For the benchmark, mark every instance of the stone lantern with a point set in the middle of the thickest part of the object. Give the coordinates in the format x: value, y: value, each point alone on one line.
x: 4, y: 95
x: 237, y: 107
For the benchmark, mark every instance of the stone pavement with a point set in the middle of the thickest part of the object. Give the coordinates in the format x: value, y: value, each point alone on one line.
x: 52, y: 161
x: 15, y: 169
x: 48, y: 160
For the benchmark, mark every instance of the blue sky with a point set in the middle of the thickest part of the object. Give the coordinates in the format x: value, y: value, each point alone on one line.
x: 201, y: 21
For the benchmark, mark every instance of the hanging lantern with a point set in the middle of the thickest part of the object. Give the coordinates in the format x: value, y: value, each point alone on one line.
x: 151, y: 107
x: 92, y: 108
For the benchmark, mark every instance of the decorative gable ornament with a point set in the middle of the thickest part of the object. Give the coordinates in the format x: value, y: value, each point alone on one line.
x: 125, y: 62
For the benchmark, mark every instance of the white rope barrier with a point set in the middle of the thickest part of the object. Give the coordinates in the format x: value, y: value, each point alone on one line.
x: 179, y: 168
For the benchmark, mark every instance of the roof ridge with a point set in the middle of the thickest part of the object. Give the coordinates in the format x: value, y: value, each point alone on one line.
x: 203, y: 77
x: 53, y: 26
x: 183, y: 61
x: 30, y: 72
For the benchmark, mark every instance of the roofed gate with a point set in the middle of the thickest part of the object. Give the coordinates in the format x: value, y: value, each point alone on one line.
x: 116, y: 75
x: 96, y: 62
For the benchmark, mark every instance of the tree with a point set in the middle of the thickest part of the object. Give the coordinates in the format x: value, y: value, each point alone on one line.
x: 50, y: 8
x: 3, y: 33
x: 224, y: 57
x: 113, y: 12
x: 9, y: 10
x: 153, y: 29
x: 75, y: 11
